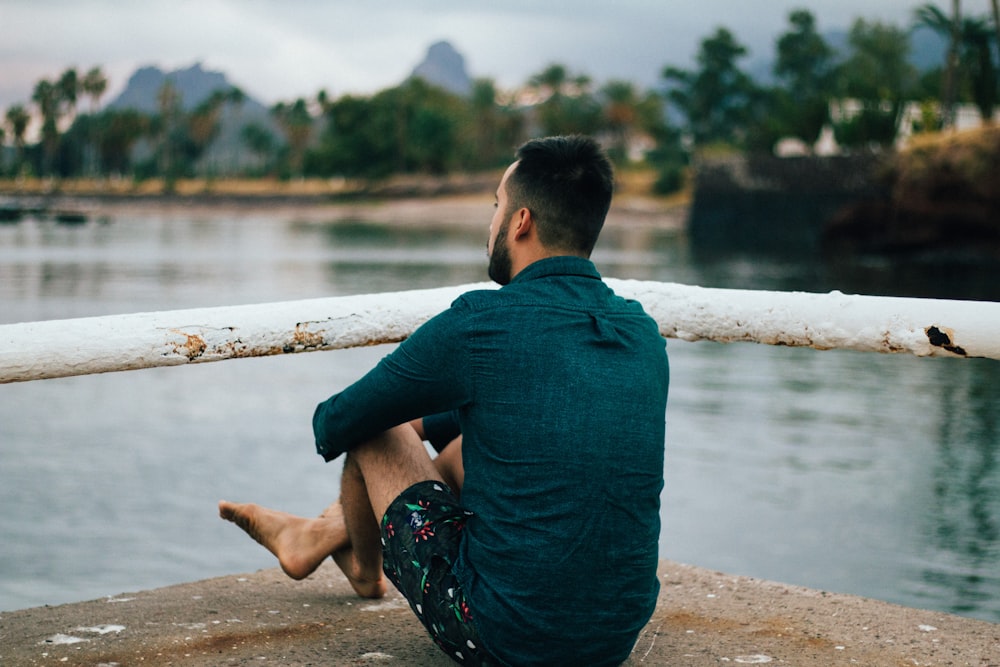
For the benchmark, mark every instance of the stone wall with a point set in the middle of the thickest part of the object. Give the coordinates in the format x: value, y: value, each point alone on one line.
x: 778, y: 205
x: 940, y: 197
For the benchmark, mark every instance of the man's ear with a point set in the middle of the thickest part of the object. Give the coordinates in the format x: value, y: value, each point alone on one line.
x: 523, y: 223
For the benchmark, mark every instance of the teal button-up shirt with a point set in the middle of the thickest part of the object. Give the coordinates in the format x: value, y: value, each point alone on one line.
x: 560, y: 388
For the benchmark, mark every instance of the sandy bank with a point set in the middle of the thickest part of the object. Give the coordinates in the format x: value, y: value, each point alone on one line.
x: 469, y: 210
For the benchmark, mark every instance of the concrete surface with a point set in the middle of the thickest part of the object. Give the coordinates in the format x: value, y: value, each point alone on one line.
x: 703, y: 618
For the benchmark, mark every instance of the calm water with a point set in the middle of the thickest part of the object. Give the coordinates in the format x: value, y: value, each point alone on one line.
x: 849, y: 472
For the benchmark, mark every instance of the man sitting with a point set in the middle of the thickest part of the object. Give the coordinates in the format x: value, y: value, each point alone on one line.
x: 532, y: 538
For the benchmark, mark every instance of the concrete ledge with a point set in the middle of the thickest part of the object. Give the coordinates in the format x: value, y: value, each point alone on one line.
x: 703, y: 618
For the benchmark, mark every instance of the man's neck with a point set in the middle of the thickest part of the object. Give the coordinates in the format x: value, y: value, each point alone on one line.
x: 522, y: 262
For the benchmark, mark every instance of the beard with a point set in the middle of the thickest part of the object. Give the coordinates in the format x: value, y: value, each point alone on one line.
x: 500, y: 264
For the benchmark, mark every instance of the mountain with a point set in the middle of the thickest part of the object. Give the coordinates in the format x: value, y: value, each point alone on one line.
x: 443, y: 66
x: 195, y: 84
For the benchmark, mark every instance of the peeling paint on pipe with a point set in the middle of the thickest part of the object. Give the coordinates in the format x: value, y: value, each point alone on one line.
x: 923, y: 327
x: 60, y: 348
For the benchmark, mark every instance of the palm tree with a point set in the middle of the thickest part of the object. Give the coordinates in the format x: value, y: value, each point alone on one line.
x: 93, y: 85
x: 621, y: 102
x: 120, y: 129
x: 484, y: 131
x: 973, y: 71
x: 46, y: 96
x: 323, y: 101
x: 566, y: 105
x: 296, y: 124
x: 932, y: 17
x: 953, y: 56
x: 69, y: 86
x: 168, y: 99
x: 203, y: 121
x: 551, y: 80
x: 204, y: 125
x: 260, y: 142
x: 235, y: 98
x: 549, y: 86
x: 977, y: 63
x: 17, y: 120
x: 717, y: 97
x: 996, y: 21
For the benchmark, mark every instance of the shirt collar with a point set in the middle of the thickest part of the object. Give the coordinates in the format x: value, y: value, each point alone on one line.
x: 563, y: 265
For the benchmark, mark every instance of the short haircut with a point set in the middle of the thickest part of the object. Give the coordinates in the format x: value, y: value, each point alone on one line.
x: 566, y: 183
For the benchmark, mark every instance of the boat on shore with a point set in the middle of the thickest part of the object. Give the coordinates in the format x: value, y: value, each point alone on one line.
x: 15, y: 210
x: 67, y: 217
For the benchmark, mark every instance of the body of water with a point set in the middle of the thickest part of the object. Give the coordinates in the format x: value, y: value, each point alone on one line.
x: 844, y: 471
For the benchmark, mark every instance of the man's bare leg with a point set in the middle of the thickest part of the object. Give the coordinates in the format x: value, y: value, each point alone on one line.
x: 362, y: 567
x: 300, y: 544
x: 375, y: 473
x: 333, y: 509
x: 449, y: 465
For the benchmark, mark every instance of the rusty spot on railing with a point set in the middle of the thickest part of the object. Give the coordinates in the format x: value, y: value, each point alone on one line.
x: 888, y: 344
x: 303, y: 339
x: 943, y: 338
x: 193, y: 346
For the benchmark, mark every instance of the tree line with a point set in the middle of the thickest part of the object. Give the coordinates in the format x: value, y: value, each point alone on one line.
x: 416, y: 127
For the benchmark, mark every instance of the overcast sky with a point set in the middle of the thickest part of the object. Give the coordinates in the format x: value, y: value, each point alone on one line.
x: 279, y: 50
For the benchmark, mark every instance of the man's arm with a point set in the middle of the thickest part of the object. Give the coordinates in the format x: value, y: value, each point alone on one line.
x: 427, y: 374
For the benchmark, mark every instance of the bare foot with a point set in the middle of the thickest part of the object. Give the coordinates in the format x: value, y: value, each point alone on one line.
x: 300, y: 544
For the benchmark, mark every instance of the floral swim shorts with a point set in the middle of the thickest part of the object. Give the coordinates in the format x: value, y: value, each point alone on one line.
x: 421, y: 533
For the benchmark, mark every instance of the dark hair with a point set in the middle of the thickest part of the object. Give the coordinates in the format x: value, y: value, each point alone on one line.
x: 566, y: 183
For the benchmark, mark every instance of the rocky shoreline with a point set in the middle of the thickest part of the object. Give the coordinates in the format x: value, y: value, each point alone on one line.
x: 942, y: 196
x: 938, y: 197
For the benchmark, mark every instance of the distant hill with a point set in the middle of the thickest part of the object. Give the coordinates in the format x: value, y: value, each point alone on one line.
x: 443, y: 66
x: 195, y: 84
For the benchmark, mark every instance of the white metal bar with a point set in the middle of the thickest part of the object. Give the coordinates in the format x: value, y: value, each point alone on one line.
x: 59, y: 348
x: 923, y: 327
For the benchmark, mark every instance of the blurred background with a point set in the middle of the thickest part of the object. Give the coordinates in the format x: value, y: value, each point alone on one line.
x: 333, y: 90
x: 160, y: 156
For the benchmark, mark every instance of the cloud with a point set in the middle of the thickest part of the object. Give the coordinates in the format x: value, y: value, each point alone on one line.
x: 282, y: 50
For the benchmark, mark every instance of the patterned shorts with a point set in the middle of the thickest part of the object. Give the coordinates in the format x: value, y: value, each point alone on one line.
x: 421, y: 533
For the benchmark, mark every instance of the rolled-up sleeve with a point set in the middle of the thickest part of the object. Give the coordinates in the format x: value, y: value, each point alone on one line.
x: 428, y: 373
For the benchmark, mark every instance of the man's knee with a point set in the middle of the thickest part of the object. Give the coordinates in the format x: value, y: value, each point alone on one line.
x: 389, y: 463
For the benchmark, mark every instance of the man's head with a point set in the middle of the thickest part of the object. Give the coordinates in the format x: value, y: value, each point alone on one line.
x: 565, y: 185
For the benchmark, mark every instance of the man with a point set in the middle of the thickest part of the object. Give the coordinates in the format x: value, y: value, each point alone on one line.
x: 558, y: 389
